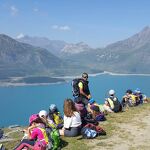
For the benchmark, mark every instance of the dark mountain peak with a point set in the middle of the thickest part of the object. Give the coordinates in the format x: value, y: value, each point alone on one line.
x: 145, y: 33
x: 146, y: 29
x: 20, y: 58
x: 136, y: 41
x: 6, y: 40
x: 5, y: 37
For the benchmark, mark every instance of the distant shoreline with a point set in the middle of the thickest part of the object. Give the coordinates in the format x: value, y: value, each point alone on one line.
x: 64, y: 78
x: 103, y: 73
x: 125, y: 74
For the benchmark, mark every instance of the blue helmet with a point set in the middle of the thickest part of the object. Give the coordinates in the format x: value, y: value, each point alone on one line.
x: 52, y: 107
x: 137, y: 90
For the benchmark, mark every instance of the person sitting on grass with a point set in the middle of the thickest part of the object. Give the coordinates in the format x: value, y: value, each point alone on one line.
x: 36, y: 134
x: 55, y: 116
x: 46, y: 119
x: 93, y: 102
x: 129, y: 99
x: 140, y: 96
x: 112, y: 104
x: 72, y: 120
x: 96, y: 113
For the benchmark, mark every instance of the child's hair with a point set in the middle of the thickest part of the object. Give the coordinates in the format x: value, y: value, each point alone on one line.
x: 95, y: 110
x: 69, y: 107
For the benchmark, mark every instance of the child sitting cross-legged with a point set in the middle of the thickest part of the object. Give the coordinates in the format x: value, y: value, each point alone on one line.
x: 36, y: 134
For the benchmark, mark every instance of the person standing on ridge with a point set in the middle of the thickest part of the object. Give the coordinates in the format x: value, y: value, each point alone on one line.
x: 81, y: 90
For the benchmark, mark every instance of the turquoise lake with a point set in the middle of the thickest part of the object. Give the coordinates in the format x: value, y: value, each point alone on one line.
x: 18, y: 103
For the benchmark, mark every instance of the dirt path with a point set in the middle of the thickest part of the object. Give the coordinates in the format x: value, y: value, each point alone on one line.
x: 134, y: 135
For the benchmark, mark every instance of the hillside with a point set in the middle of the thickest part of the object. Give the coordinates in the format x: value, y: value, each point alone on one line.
x: 56, y: 47
x: 19, y: 59
x: 53, y: 46
x: 126, y: 131
x: 131, y: 55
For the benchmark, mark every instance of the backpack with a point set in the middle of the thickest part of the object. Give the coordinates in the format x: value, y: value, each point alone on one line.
x: 54, y: 139
x: 88, y: 133
x: 75, y: 87
x: 100, y: 117
x: 58, y: 120
x: 97, y: 128
x: 117, y: 104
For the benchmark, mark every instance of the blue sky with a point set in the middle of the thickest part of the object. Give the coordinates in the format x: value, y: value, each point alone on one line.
x: 95, y: 22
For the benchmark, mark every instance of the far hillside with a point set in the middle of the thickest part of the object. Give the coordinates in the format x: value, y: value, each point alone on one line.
x: 131, y: 55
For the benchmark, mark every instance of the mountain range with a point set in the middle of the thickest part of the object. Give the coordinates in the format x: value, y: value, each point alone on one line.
x: 131, y: 55
x: 56, y: 47
x: 19, y: 59
x: 36, y: 56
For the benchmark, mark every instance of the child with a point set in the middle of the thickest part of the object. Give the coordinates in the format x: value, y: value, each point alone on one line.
x: 112, y: 103
x: 36, y: 134
x: 52, y: 132
x: 55, y: 116
x: 129, y: 99
x: 72, y: 120
x: 47, y: 120
x: 96, y: 114
x: 93, y: 102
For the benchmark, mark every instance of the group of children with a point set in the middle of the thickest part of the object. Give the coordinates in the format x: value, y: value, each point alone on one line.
x: 76, y: 116
x: 43, y: 130
x: 130, y: 99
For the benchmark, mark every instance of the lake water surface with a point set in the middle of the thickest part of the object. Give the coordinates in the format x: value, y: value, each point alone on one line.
x: 18, y: 103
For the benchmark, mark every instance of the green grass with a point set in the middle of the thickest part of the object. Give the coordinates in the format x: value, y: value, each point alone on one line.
x: 110, y: 126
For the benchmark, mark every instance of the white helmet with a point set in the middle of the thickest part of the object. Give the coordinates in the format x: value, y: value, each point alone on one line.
x: 43, y: 113
x: 111, y: 92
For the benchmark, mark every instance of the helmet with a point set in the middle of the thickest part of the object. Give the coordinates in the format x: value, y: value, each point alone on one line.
x: 52, y: 107
x: 84, y: 75
x: 33, y: 118
x: 43, y: 113
x: 111, y: 92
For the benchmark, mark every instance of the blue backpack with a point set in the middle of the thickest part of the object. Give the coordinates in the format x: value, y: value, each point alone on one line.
x: 88, y: 133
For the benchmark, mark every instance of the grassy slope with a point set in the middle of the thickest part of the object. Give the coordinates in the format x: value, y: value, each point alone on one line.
x: 77, y: 143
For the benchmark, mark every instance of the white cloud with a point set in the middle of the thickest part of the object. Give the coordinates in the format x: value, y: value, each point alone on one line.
x: 62, y: 28
x: 14, y: 11
x: 35, y: 9
x: 19, y: 36
x: 65, y: 28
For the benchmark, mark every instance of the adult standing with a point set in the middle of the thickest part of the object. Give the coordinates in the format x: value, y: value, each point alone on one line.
x: 83, y: 94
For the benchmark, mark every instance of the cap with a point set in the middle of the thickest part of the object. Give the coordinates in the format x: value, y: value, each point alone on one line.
x: 43, y: 113
x: 137, y: 90
x: 91, y: 101
x: 111, y: 92
x: 33, y: 118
